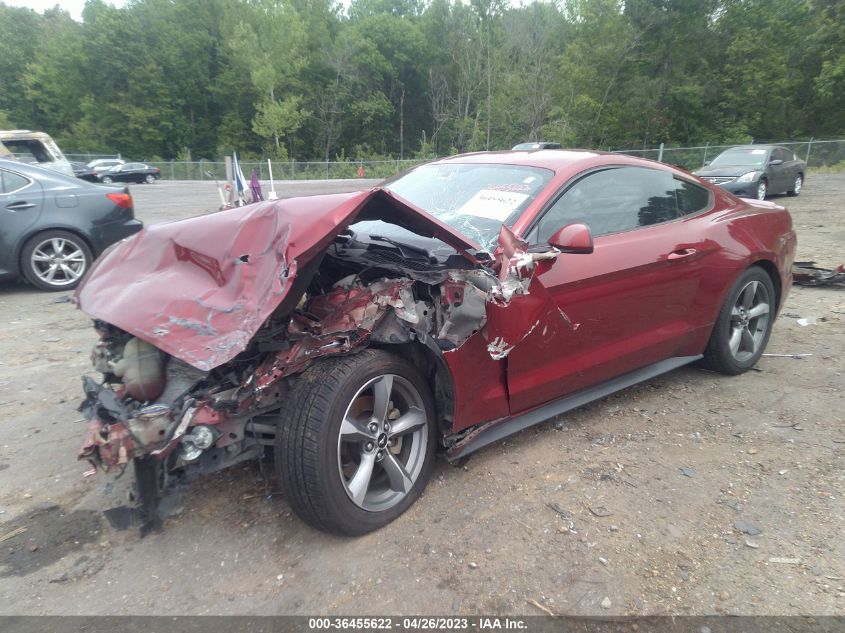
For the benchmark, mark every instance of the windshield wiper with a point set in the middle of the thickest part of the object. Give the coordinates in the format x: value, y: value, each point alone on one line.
x: 403, y: 247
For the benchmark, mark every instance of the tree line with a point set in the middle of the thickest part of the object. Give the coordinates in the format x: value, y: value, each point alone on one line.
x: 310, y: 79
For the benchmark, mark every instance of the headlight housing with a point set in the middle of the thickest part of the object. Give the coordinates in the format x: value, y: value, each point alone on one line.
x: 749, y: 177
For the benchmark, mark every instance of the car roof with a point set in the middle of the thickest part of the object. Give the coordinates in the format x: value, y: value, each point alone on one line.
x: 766, y: 147
x: 43, y: 174
x: 554, y: 159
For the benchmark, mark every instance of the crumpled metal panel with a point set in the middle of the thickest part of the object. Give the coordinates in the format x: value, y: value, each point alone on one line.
x: 199, y: 289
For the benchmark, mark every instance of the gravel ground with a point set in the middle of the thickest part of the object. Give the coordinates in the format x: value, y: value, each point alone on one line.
x: 632, y: 505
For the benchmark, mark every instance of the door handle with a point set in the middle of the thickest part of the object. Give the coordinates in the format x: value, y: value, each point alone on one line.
x: 20, y: 206
x: 681, y: 254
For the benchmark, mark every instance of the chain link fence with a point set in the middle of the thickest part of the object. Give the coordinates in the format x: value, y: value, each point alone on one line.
x: 817, y: 154
x: 287, y: 170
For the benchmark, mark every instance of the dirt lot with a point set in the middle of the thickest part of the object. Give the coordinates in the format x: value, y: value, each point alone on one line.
x: 630, y: 505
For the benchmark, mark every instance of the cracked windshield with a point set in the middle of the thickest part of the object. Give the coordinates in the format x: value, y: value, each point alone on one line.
x: 475, y: 199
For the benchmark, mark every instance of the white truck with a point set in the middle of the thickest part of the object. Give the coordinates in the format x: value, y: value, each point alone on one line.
x: 35, y: 148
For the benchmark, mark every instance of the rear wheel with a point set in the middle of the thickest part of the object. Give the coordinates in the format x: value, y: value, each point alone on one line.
x: 149, y: 179
x: 744, y: 324
x: 108, y: 180
x: 796, y: 186
x: 55, y: 260
x: 356, y: 442
x: 762, y: 190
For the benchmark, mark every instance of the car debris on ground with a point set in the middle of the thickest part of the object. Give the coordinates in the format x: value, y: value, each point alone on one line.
x: 808, y: 274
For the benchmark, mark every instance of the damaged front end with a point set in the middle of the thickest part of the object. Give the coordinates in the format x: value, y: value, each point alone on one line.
x: 197, y: 351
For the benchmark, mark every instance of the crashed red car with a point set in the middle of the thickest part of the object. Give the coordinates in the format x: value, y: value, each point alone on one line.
x: 465, y: 300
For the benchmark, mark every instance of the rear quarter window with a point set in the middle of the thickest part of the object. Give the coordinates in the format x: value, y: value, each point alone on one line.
x: 691, y: 198
x: 10, y: 182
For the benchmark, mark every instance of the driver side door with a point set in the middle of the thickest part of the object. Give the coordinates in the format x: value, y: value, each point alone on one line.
x: 626, y: 305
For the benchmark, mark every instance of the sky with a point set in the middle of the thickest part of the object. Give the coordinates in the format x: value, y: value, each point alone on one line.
x: 74, y: 7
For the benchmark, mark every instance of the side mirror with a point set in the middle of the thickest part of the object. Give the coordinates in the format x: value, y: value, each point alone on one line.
x: 573, y: 238
x: 776, y: 161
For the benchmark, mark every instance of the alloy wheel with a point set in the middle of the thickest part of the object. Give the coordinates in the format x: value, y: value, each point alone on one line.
x: 762, y: 189
x: 382, y: 442
x: 58, y: 261
x: 749, y: 321
x: 799, y: 182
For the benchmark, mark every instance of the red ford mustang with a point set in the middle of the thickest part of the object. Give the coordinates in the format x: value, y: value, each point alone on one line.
x: 358, y: 334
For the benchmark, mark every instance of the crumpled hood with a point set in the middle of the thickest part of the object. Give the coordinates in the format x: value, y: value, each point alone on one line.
x: 199, y: 289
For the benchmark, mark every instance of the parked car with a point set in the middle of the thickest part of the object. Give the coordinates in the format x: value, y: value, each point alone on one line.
x: 358, y: 334
x: 53, y: 225
x: 81, y: 170
x: 524, y: 147
x: 34, y: 148
x: 131, y: 172
x: 105, y: 164
x: 756, y: 171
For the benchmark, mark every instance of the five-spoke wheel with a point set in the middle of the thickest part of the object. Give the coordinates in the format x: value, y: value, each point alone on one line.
x: 744, y: 323
x: 749, y: 320
x: 356, y: 441
x: 382, y: 443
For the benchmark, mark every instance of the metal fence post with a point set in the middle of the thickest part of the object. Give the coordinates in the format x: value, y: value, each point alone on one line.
x: 172, y: 173
x: 706, y: 147
x: 660, y: 154
x: 809, y: 146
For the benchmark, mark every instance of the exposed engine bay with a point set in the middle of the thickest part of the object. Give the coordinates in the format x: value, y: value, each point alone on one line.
x: 176, y: 420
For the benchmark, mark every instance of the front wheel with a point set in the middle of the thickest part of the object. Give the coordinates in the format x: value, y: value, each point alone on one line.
x: 796, y: 186
x: 762, y: 190
x: 356, y: 442
x: 744, y: 324
x: 107, y: 180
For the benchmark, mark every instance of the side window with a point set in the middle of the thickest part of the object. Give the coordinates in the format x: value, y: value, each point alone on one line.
x: 620, y: 199
x: 691, y: 198
x: 10, y: 182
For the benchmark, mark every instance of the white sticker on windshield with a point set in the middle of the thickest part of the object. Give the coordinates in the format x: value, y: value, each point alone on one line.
x: 758, y: 151
x: 492, y: 204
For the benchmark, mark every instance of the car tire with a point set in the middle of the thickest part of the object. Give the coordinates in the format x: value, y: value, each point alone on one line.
x: 762, y: 189
x: 65, y: 254
x: 797, y: 186
x: 149, y: 179
x: 744, y: 324
x: 340, y: 468
x: 107, y: 180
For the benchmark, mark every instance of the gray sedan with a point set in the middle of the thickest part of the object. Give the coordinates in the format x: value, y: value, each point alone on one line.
x: 52, y: 226
x: 755, y: 171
